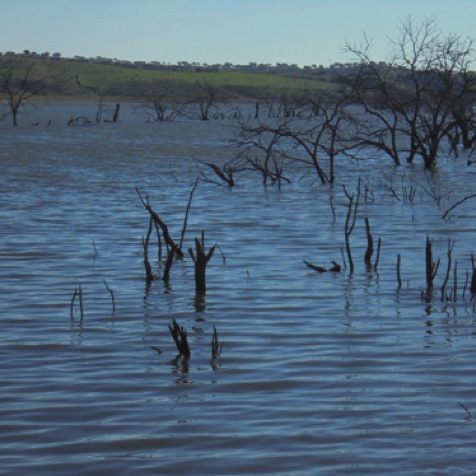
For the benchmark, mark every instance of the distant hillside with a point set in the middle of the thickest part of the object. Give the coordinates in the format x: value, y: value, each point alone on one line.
x: 83, y: 78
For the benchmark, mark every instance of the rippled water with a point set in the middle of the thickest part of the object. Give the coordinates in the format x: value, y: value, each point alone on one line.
x: 320, y: 373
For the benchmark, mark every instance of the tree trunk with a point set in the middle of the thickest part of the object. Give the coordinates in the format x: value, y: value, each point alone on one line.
x: 370, y: 245
x: 116, y: 113
x: 201, y: 260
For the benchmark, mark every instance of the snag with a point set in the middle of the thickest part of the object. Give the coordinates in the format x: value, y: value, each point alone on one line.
x: 216, y: 347
x: 335, y: 267
x: 179, y: 334
x: 201, y: 260
x: 431, y: 267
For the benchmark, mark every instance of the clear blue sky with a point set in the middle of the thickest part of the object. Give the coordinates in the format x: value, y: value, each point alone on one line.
x: 216, y: 31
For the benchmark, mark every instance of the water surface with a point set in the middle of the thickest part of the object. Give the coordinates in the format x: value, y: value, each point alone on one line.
x: 320, y: 373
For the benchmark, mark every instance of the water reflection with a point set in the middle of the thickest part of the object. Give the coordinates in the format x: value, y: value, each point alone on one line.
x: 200, y: 303
x: 180, y: 366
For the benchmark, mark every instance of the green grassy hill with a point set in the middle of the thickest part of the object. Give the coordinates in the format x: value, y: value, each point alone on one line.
x: 85, y: 79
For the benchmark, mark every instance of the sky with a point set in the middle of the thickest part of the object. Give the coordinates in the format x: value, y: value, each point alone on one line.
x: 302, y: 32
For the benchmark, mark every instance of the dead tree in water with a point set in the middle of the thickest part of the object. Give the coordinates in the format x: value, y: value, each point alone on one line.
x: 100, y: 110
x: 320, y: 269
x: 350, y: 223
x: 216, y: 350
x: 377, y: 258
x: 165, y: 231
x: 431, y: 267
x: 115, y: 115
x: 77, y: 292
x: 459, y: 202
x: 448, y: 270
x: 184, y: 228
x: 473, y: 278
x: 216, y: 346
x: 225, y: 173
x: 260, y: 149
x: 370, y: 245
x: 201, y: 260
x: 179, y: 335
x: 149, y: 275
x: 399, y: 276
x: 370, y: 248
x: 172, y: 248
x: 111, y: 292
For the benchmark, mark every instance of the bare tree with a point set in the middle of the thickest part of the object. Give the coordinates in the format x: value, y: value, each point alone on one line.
x: 283, y: 103
x: 269, y: 103
x: 325, y: 131
x: 160, y: 100
x: 20, y: 82
x: 461, y: 88
x: 408, y: 101
x: 261, y: 148
x: 207, y: 97
x: 329, y: 131
x: 225, y: 173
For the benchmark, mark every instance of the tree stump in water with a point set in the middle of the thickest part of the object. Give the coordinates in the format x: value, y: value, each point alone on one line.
x: 115, y: 116
x: 201, y: 260
x: 179, y: 335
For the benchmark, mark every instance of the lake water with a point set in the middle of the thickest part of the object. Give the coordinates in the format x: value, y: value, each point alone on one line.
x: 320, y: 373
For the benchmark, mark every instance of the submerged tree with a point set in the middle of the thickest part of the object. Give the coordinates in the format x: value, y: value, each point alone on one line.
x: 160, y: 100
x: 260, y: 148
x: 20, y: 82
x: 415, y: 100
x: 321, y: 131
x: 200, y: 259
x: 207, y: 97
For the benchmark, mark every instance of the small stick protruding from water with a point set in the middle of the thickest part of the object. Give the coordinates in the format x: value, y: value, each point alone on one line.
x: 351, y: 217
x: 431, y: 267
x: 81, y: 309
x: 333, y: 210
x: 455, y: 282
x: 149, y: 275
x: 216, y: 347
x: 448, y: 269
x: 221, y: 252
x: 377, y: 258
x: 473, y: 278
x: 71, y: 306
x: 111, y: 292
x: 399, y: 277
x: 465, y: 287
x: 184, y: 228
x: 470, y: 415
x: 77, y: 292
x: 179, y: 334
x: 370, y: 245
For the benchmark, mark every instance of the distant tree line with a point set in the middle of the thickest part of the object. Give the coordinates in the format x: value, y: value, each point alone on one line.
x: 419, y: 103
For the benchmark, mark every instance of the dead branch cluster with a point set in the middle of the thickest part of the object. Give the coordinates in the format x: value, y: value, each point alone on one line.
x: 431, y: 267
x: 447, y: 294
x: 174, y: 250
x: 350, y: 221
x: 180, y: 337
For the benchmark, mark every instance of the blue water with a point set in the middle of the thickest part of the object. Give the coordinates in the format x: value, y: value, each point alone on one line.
x: 319, y: 373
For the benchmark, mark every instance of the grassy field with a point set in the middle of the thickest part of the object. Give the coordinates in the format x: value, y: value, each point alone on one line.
x: 86, y: 79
